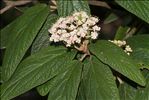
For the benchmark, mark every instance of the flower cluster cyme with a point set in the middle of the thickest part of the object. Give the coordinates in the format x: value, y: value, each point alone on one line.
x: 122, y: 44
x: 75, y: 29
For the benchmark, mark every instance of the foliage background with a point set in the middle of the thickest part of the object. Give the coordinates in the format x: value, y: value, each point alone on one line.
x: 116, y: 17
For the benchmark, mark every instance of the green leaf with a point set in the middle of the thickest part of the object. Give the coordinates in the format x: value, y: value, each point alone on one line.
x: 36, y: 70
x: 99, y: 82
x: 129, y: 92
x: 67, y: 7
x: 139, y: 41
x: 42, y: 40
x: 116, y: 58
x: 44, y: 89
x: 67, y: 86
x: 139, y: 8
x: 141, y: 56
x: 140, y: 47
x: 24, y: 34
x: 143, y: 93
x: 121, y: 33
x: 11, y: 31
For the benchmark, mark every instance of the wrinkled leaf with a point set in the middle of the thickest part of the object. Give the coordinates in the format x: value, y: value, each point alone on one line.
x: 24, y: 33
x: 139, y: 41
x: 139, y: 8
x: 116, y: 58
x: 140, y: 47
x: 67, y: 7
x: 35, y: 70
x: 11, y: 31
x: 99, y: 82
x: 143, y: 93
x: 67, y: 85
x: 129, y: 92
x: 42, y: 40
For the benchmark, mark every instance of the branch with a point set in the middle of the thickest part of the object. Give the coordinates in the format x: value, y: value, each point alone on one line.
x: 11, y: 4
x: 99, y: 3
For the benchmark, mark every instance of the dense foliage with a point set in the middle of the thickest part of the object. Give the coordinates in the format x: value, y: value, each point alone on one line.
x: 102, y: 72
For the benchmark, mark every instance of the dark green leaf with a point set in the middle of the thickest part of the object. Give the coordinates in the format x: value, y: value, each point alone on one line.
x: 99, y: 82
x: 36, y: 70
x: 46, y: 87
x: 115, y: 57
x: 42, y: 40
x: 67, y: 86
x: 140, y: 47
x: 11, y: 31
x: 67, y: 7
x: 141, y: 56
x: 139, y: 41
x: 129, y: 92
x: 143, y: 93
x: 139, y: 8
x: 24, y: 34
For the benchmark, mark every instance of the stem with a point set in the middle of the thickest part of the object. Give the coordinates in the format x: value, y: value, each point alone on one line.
x: 11, y: 4
x: 83, y: 48
x: 83, y: 57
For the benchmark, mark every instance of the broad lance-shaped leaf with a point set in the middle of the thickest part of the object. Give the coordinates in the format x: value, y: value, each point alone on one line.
x: 138, y: 7
x: 116, y: 58
x: 140, y: 47
x: 99, y: 82
x: 143, y: 92
x: 67, y: 7
x: 22, y: 41
x: 36, y: 70
x: 139, y: 41
x: 42, y: 40
x: 67, y: 84
x: 11, y: 31
x: 129, y: 92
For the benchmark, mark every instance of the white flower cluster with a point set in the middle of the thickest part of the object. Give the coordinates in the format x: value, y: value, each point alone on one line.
x: 122, y: 44
x: 74, y: 29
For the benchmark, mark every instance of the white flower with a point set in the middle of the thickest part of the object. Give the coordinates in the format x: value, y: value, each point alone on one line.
x: 122, y: 44
x: 94, y: 35
x: 96, y: 28
x: 94, y: 19
x: 74, y: 29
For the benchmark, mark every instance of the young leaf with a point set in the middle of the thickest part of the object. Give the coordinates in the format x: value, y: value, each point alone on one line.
x: 36, y: 70
x: 115, y: 57
x: 42, y: 40
x: 67, y: 7
x: 67, y: 86
x: 22, y: 40
x: 99, y: 82
x: 139, y: 8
